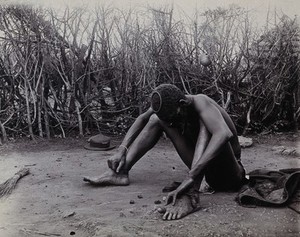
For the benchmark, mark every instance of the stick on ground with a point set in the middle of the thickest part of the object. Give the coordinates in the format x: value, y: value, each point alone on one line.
x: 7, y: 187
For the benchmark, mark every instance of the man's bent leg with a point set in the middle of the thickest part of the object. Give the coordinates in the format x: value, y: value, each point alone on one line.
x: 184, y: 149
x: 143, y: 143
x: 187, y: 202
x: 148, y: 137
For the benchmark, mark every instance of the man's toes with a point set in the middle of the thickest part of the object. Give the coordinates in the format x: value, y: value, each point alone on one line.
x: 174, y: 216
x: 170, y: 216
x: 180, y: 214
x: 166, y: 215
x: 94, y: 181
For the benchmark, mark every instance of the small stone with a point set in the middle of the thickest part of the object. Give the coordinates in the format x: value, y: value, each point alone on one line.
x: 140, y: 196
x: 157, y: 202
x: 69, y: 214
x: 122, y: 214
x: 132, y: 202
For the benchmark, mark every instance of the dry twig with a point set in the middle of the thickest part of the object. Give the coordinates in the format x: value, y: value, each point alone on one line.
x: 7, y: 187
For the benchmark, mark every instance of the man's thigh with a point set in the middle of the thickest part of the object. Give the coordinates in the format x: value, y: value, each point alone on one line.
x: 184, y: 145
x: 225, y: 172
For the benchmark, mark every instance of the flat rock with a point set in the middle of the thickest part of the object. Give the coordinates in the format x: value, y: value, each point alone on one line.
x: 245, y: 141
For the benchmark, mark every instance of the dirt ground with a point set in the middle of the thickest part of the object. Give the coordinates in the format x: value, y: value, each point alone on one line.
x: 54, y: 201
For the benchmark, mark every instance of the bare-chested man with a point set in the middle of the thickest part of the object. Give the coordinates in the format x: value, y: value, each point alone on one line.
x: 203, y: 135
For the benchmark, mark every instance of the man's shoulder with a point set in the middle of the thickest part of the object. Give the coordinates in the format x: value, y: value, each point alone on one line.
x: 200, y: 99
x: 200, y: 102
x: 198, y: 96
x: 202, y: 96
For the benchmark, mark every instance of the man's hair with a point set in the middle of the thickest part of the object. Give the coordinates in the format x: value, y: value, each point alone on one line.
x: 165, y: 101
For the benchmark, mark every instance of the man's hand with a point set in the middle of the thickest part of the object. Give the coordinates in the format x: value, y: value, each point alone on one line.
x: 116, y: 162
x: 172, y: 196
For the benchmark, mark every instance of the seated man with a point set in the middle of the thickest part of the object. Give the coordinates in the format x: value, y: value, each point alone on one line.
x: 204, y: 137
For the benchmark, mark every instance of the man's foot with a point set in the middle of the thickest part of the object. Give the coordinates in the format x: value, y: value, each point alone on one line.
x: 184, y: 205
x: 109, y: 178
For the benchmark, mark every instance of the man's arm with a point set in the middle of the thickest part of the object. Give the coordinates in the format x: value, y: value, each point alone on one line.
x: 213, y: 134
x: 118, y: 160
x: 202, y: 141
x: 220, y: 135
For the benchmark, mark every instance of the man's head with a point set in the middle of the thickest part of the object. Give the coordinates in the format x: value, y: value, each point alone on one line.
x: 167, y: 101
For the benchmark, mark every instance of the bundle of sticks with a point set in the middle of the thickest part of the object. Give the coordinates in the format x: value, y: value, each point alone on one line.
x: 7, y: 187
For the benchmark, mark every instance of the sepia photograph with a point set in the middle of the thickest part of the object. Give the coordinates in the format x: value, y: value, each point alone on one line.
x: 148, y: 118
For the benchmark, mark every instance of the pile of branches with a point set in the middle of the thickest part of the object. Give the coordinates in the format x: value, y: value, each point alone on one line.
x: 76, y: 73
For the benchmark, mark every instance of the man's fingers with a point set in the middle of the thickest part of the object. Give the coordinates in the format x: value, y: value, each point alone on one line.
x: 109, y: 164
x: 171, y: 199
x: 168, y: 200
x: 112, y: 165
x: 174, y: 199
x: 122, y: 162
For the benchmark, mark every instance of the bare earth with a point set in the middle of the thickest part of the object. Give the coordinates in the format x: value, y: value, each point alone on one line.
x: 54, y: 201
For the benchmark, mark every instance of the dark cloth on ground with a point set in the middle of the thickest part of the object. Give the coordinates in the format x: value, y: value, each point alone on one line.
x: 272, y: 188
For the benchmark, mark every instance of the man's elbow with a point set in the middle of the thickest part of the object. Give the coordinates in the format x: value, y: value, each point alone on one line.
x: 226, y: 135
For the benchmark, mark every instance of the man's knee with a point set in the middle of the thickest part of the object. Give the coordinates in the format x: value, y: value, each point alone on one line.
x: 154, y: 120
x: 153, y: 127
